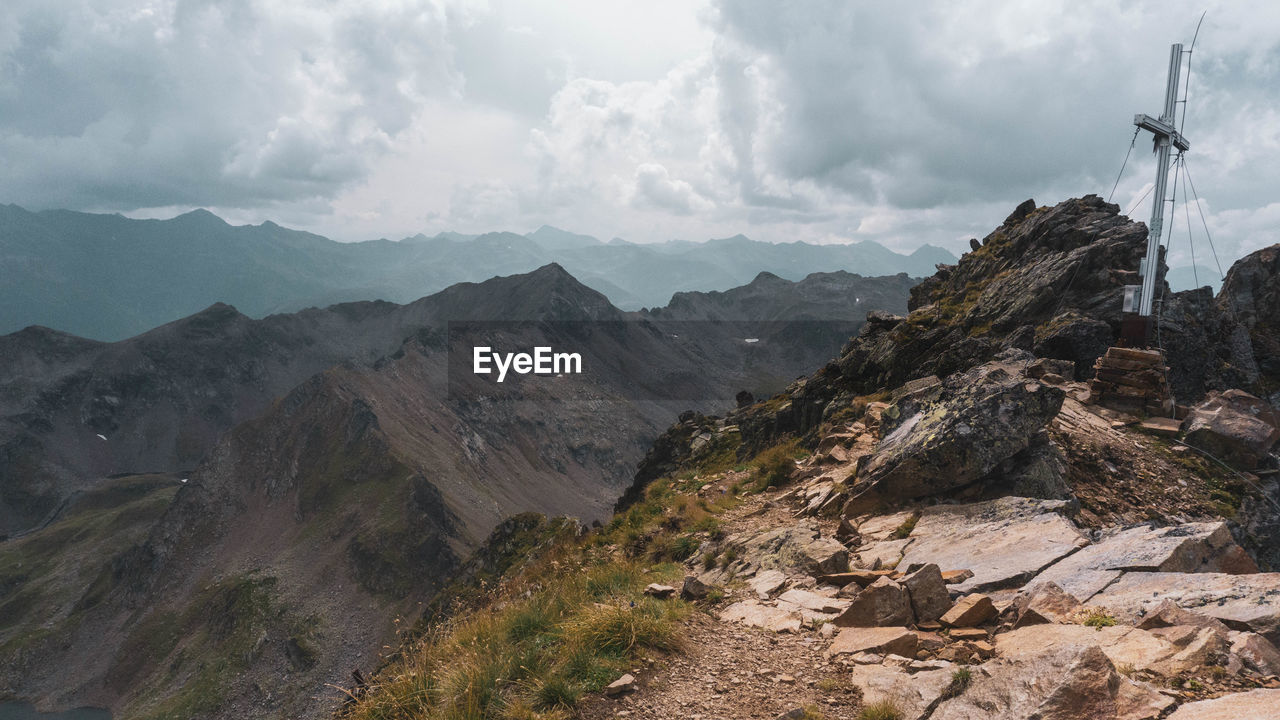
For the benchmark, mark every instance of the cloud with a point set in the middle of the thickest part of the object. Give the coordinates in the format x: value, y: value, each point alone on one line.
x: 656, y: 188
x: 237, y: 103
x: 824, y: 121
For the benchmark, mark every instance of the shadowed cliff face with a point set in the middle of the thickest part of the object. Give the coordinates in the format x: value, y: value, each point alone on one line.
x: 320, y: 512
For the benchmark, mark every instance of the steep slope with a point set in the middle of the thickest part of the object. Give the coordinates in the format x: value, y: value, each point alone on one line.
x: 108, y: 277
x: 309, y: 526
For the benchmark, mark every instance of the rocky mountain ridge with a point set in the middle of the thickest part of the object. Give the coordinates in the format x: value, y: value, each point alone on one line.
x: 109, y: 277
x: 944, y: 523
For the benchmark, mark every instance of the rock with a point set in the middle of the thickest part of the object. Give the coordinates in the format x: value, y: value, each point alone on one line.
x: 1257, y: 653
x: 1251, y: 295
x: 882, y: 527
x: 768, y: 583
x: 911, y: 692
x: 970, y: 610
x: 1140, y: 649
x: 859, y: 578
x: 1258, y: 704
x: 982, y: 648
x: 986, y: 416
x: 1070, y: 682
x: 881, y: 640
x: 693, y: 588
x: 1168, y: 614
x: 884, y: 553
x: 799, y: 548
x: 882, y: 603
x: 1235, y: 426
x: 662, y: 592
x: 1191, y: 547
x: 1162, y: 426
x: 1051, y: 366
x: 812, y: 601
x: 930, y: 641
x: 1004, y: 542
x: 754, y: 614
x: 1242, y: 602
x: 1045, y: 603
x: 955, y: 577
x: 968, y: 633
x: 621, y: 686
x: 928, y: 593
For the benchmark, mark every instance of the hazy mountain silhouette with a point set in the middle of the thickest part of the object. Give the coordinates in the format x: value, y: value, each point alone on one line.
x: 107, y: 277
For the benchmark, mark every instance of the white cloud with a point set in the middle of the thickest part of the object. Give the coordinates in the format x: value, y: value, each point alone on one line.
x: 824, y: 121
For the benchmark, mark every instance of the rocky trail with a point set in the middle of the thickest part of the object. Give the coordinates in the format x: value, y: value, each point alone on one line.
x: 830, y: 598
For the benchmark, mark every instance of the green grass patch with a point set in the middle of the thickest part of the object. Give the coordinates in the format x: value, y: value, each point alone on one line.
x: 905, y: 529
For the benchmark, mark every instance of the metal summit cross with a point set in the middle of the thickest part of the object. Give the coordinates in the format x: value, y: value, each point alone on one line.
x: 1139, y: 298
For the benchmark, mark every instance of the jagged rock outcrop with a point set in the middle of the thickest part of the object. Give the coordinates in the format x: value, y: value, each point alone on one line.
x: 1049, y: 280
x: 986, y: 416
x: 1251, y: 295
x: 1234, y: 426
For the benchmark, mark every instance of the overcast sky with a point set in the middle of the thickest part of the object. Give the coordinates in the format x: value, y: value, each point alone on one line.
x: 904, y: 122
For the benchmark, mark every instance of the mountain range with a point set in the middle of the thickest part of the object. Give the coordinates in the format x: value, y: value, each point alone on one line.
x: 219, y: 516
x: 108, y: 277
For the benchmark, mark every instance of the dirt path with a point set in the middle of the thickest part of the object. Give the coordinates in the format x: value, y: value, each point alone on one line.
x: 730, y: 671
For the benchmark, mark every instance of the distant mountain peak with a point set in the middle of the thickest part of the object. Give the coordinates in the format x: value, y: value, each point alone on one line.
x: 766, y: 277
x: 201, y: 215
x: 553, y: 238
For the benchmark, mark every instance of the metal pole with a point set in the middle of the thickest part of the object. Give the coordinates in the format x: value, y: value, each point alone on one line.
x: 1151, y: 263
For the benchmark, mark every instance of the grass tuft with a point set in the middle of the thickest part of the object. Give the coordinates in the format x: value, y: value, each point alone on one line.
x: 882, y: 710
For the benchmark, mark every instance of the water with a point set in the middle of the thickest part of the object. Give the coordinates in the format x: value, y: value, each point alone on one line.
x: 26, y: 711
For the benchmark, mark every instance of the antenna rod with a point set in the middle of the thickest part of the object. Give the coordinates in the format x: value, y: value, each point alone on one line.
x: 1151, y: 263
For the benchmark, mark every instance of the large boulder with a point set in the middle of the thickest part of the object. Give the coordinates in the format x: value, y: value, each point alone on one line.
x: 929, y: 597
x: 1045, y: 602
x: 883, y: 640
x: 882, y: 603
x: 1235, y: 426
x: 1186, y: 548
x: 1259, y: 704
x: 986, y: 416
x: 798, y: 549
x: 910, y: 692
x: 1065, y: 682
x: 1241, y: 602
x: 1004, y: 542
x: 1251, y: 295
x: 1164, y: 652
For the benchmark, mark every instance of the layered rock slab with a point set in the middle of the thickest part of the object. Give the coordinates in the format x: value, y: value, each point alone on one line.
x: 1189, y: 548
x: 1070, y: 682
x: 1004, y: 542
x: 1263, y: 704
x: 1242, y: 602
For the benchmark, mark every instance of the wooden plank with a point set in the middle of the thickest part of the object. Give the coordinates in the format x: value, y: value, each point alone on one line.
x: 1168, y: 427
x: 1151, y: 356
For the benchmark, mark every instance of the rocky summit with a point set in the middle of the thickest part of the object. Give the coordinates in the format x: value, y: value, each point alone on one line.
x: 947, y: 520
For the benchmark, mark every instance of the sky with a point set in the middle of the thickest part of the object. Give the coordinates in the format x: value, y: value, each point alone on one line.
x: 823, y: 121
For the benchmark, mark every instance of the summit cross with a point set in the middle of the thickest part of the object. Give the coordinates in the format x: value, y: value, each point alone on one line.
x: 1167, y: 137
